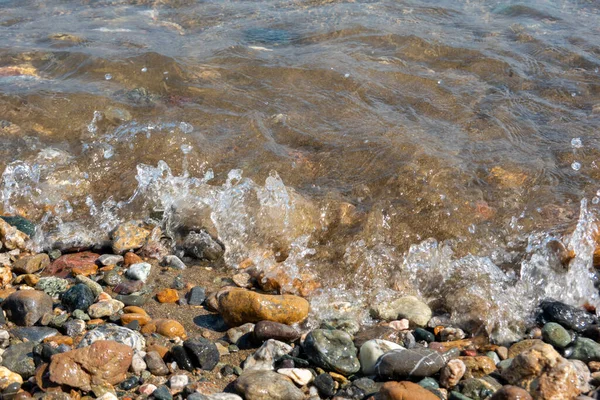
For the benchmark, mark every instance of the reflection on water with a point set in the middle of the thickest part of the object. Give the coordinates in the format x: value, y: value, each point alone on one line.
x: 387, y: 123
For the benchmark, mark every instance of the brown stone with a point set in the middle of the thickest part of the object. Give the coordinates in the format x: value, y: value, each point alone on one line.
x: 238, y: 306
x: 167, y: 296
x: 96, y: 321
x: 522, y: 346
x: 28, y: 279
x: 161, y: 350
x: 452, y: 373
x: 104, y: 362
x: 142, y: 319
x: 130, y: 259
x: 405, y: 391
x: 63, y: 266
x: 11, y: 237
x: 129, y: 236
x: 5, y: 276
x: 31, y: 264
x: 85, y: 270
x: 134, y: 310
x: 166, y: 327
x: 60, y: 340
x: 510, y: 392
x: 478, y: 366
x: 26, y: 307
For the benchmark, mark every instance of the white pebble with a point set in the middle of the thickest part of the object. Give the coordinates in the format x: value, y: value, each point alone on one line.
x: 144, y: 69
x: 108, y: 77
x: 178, y: 382
x: 576, y: 143
x: 299, y: 375
x: 576, y: 166
x: 139, y: 271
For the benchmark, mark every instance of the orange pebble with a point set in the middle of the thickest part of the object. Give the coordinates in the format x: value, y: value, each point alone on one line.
x: 167, y: 296
x: 134, y: 310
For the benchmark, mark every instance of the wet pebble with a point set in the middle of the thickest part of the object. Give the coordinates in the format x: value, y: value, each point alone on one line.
x: 332, y: 350
x: 586, y: 350
x: 325, y: 385
x: 265, y: 330
x: 370, y: 352
x: 26, y: 307
x: 162, y: 393
x: 203, y: 246
x: 33, y: 334
x: 139, y: 271
x: 78, y: 297
x: 183, y: 360
x: 155, y: 364
x: 31, y: 264
x: 568, y: 316
x: 203, y: 353
x: 94, y: 286
x: 110, y: 259
x: 111, y: 278
x: 403, y: 363
x: 260, y: 385
x: 18, y: 358
x: 130, y: 383
x: 263, y: 359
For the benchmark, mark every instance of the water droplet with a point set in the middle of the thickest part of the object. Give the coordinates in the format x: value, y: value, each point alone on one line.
x: 144, y: 69
x: 472, y: 229
x: 576, y: 143
x: 346, y: 75
x: 186, y: 148
x: 185, y: 127
x: 573, y: 94
x: 108, y: 77
x: 576, y: 166
x: 595, y: 200
x: 439, y: 82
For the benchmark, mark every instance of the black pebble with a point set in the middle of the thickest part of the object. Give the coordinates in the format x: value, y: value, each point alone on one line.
x: 130, y: 383
x: 325, y: 385
x: 181, y: 357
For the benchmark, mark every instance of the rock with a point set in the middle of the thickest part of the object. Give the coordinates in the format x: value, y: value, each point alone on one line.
x: 155, y: 364
x: 325, y: 385
x: 409, y: 307
x: 556, y: 335
x: 31, y: 264
x: 522, y: 346
x: 474, y: 388
x: 78, y: 297
x: 370, y: 352
x: 162, y: 393
x: 110, y: 259
x: 129, y: 236
x: 11, y: 237
x: 147, y: 389
x: 583, y: 375
x: 332, y: 350
x: 178, y: 382
x: 544, y: 373
x: 139, y: 271
x: 6, y: 276
x: 52, y: 286
x: 63, y: 266
x: 92, y: 285
x: 138, y: 365
x: 568, y: 316
x: 452, y: 373
x: 74, y: 327
x: 450, y: 334
x: 400, y: 325
x: 196, y: 296
x: 33, y: 334
x: 167, y: 296
x: 140, y: 318
x: 203, y: 353
x: 378, y: 332
x: 202, y: 246
x: 105, y: 308
x: 300, y: 376
x: 132, y: 299
x: 265, y: 330
x: 172, y: 262
x: 128, y: 287
x: 7, y: 377
x: 115, y: 333
x: 264, y: 358
x: 26, y: 307
x: 509, y: 392
x: 85, y: 270
x: 402, y: 363
x: 243, y: 331
x: 166, y: 327
x: 104, y: 362
x: 239, y: 306
x: 19, y: 359
x: 130, y: 259
x: 267, y: 385
x: 405, y: 391
x: 586, y: 350
x: 111, y: 278
x: 180, y: 355
x: 478, y: 366
x: 22, y: 224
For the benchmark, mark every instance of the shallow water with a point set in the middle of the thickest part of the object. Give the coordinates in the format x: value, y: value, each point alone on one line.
x: 436, y: 148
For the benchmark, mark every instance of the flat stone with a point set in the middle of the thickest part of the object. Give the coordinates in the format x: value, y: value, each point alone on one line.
x: 332, y: 350
x: 33, y: 334
x: 585, y: 350
x: 405, y: 391
x: 265, y: 330
x: 26, y: 307
x: 167, y: 296
x: 267, y: 385
x: 166, y: 327
x: 115, y: 333
x: 18, y: 358
x: 196, y: 296
x: 31, y: 264
x: 62, y: 266
x: 568, y: 316
x: 105, y: 308
x: 238, y: 306
x: 172, y: 261
x: 78, y: 297
x: 556, y: 335
x: 129, y: 236
x: 409, y: 307
x: 203, y: 353
x: 139, y: 271
x: 300, y: 376
x: 155, y: 364
x: 403, y: 363
x: 203, y: 246
x: 94, y: 286
x: 110, y: 259
x: 265, y: 356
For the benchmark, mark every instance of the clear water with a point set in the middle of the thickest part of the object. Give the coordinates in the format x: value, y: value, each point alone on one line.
x: 442, y: 149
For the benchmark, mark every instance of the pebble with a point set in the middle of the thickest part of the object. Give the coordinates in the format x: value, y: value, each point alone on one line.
x: 568, y: 316
x: 167, y: 296
x: 166, y: 327
x: 586, y: 350
x: 138, y: 365
x: 31, y: 264
x: 63, y: 266
x: 262, y: 385
x: 94, y: 286
x: 452, y: 373
x: 139, y: 271
x: 22, y: 224
x: 162, y: 393
x: 128, y: 287
x: 105, y: 308
x: 132, y: 299
x: 18, y: 358
x: 405, y: 391
x: 147, y: 389
x: 110, y: 259
x: 33, y: 334
x: 111, y: 278
x: 300, y: 376
x: 180, y: 355
x: 325, y: 385
x: 370, y: 352
x: 235, y: 334
x: 196, y: 296
x: 265, y: 330
x: 172, y: 262
x: 400, y: 325
x: 332, y: 350
x: 52, y: 285
x: 556, y: 335
x: 178, y: 382
x: 509, y: 392
x: 117, y: 333
x: 155, y: 364
x: 129, y: 236
x: 26, y: 307
x: 403, y: 363
x: 478, y: 366
x: 409, y: 307
x: 74, y: 327
x: 203, y: 246
x: 140, y: 318
x: 265, y: 356
x: 423, y: 335
x: 202, y: 352
x: 78, y: 297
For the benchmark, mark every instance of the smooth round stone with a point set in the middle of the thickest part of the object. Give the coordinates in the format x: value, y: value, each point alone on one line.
x: 196, y: 296
x: 568, y: 316
x: 262, y: 385
x: 423, y: 335
x: 556, y: 335
x: 332, y: 350
x: 78, y: 297
x: 429, y: 383
x: 300, y: 376
x: 203, y: 353
x: 509, y: 392
x: 10, y: 391
x: 130, y: 383
x: 203, y: 246
x: 405, y: 391
x: 402, y: 363
x: 155, y: 364
x: 370, y: 352
x: 139, y: 271
x: 162, y: 393
x: 105, y: 308
x: 26, y: 307
x: 117, y: 333
x: 112, y: 278
x: 172, y: 261
x: 183, y: 360
x: 325, y: 385
x: 110, y: 259
x: 33, y: 334
x: 585, y: 350
x: 409, y: 307
x: 265, y: 330
x: 94, y: 286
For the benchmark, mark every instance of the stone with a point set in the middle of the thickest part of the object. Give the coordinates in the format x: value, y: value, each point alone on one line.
x: 180, y: 355
x: 6, y: 276
x: 400, y: 325
x: 235, y: 334
x: 105, y: 308
x: 478, y: 366
x: 203, y: 352
x: 128, y: 287
x: 450, y: 334
x: 452, y: 373
x: 300, y: 376
x: 203, y: 246
x: 264, y: 358
x: 22, y: 224
x: 405, y: 391
x: 130, y: 259
x: 568, y: 316
x: 583, y: 375
x: 115, y: 333
x: 7, y: 377
x: 332, y: 350
x: 138, y: 365
x: 172, y: 261
x: 178, y: 382
x: 544, y: 373
x: 409, y: 307
x: 510, y: 392
x: 110, y: 259
x: 238, y: 306
x: 140, y: 318
x: 167, y: 296
x: 33, y: 334
x: 139, y: 271
x: 522, y: 346
x: 162, y: 393
x: 74, y: 327
x: 586, y: 350
x: 18, y: 358
x: 556, y: 335
x: 155, y: 364
x: 111, y: 278
x: 402, y: 363
x: 132, y: 299
x: 11, y: 237
x: 267, y: 385
x: 242, y: 279
x: 78, y: 297
x: 325, y: 385
x: 166, y: 327
x: 370, y: 352
x: 129, y: 236
x: 196, y: 296
x: 85, y: 270
x: 62, y: 266
x: 26, y: 307
x: 378, y: 332
x: 92, y: 285
x: 147, y: 389
x: 265, y: 330
x: 31, y: 264
x: 104, y: 362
